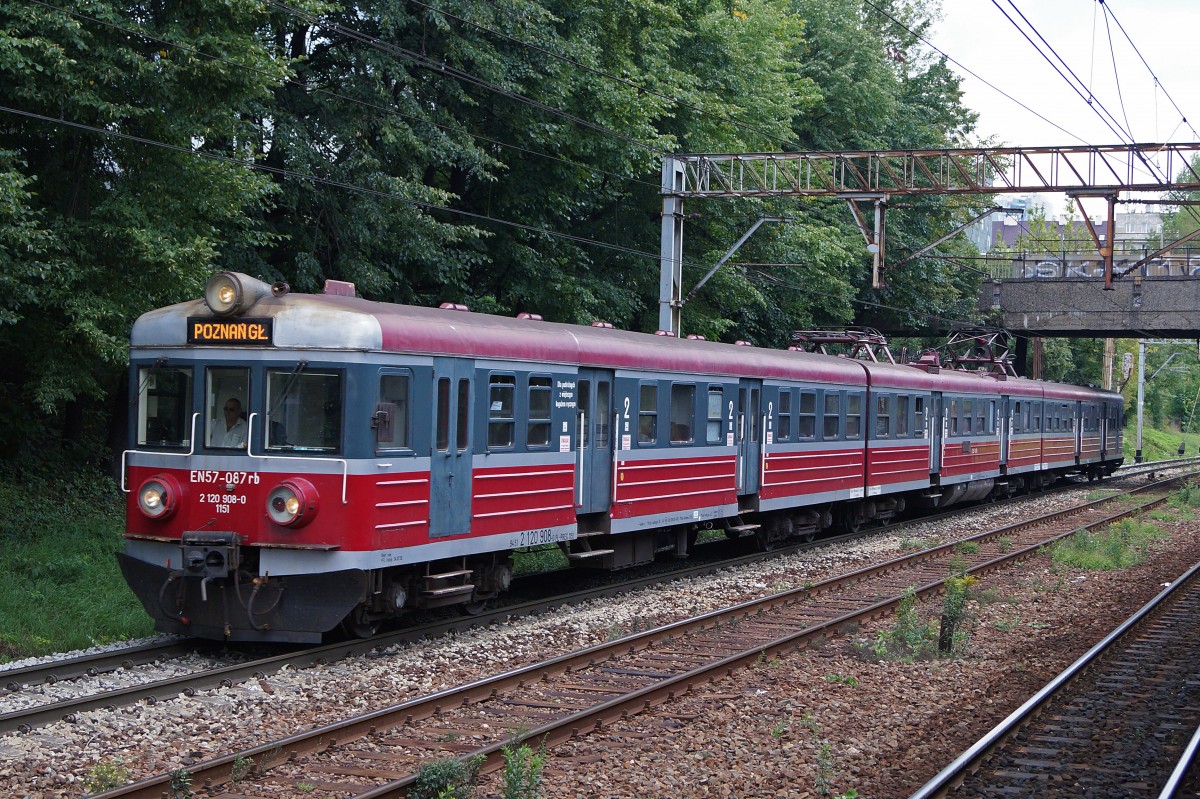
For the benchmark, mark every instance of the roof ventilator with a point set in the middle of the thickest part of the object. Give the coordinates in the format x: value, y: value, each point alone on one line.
x: 339, y: 288
x: 453, y: 306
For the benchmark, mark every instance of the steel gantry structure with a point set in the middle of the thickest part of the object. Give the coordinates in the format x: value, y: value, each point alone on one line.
x: 876, y: 176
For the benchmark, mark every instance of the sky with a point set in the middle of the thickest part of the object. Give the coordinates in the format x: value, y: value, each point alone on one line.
x: 1166, y: 33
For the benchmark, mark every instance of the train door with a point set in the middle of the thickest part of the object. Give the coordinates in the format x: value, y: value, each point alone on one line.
x: 749, y: 433
x: 450, y: 451
x: 1078, y: 409
x: 594, y: 441
x: 937, y: 432
x: 1004, y: 423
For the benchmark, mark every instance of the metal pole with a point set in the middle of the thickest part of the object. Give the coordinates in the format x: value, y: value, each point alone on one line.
x: 1141, y: 400
x: 670, y: 290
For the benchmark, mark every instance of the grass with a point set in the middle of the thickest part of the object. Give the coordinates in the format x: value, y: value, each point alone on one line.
x: 1158, y: 444
x: 62, y: 588
x: 1116, y: 547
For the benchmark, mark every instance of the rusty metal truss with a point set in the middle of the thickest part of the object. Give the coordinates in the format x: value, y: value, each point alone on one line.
x: 853, y: 175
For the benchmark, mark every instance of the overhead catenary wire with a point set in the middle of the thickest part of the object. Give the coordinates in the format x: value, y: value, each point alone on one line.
x: 1158, y: 83
x: 1117, y: 76
x: 340, y: 96
x: 1074, y: 81
x: 972, y: 73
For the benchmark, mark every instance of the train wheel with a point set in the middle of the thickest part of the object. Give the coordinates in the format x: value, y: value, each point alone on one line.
x: 764, y: 540
x: 356, y: 625
x: 476, y: 608
x: 851, y: 520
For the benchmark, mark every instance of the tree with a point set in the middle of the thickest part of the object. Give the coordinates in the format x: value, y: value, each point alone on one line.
x: 113, y: 226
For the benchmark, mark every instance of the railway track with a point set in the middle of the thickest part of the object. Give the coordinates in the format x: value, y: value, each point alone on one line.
x: 1123, y: 720
x: 237, y: 668
x: 377, y: 754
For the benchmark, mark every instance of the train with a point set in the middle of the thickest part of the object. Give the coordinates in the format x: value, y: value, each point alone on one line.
x: 300, y: 463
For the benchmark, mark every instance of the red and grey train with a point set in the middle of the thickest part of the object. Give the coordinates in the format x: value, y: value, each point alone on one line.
x: 300, y: 462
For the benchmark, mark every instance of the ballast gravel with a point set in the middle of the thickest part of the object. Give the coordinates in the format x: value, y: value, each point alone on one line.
x: 789, y: 727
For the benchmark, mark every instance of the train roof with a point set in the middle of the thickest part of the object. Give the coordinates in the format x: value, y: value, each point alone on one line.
x: 338, y: 322
x: 331, y: 322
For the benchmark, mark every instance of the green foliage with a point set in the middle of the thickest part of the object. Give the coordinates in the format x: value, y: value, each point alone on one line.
x: 523, y: 770
x: 106, y: 775
x: 105, y: 227
x: 241, y: 768
x: 952, y: 635
x: 823, y: 779
x: 63, y: 589
x: 422, y: 113
x: 1119, y: 546
x: 967, y: 547
x: 1004, y: 543
x: 909, y: 638
x: 447, y: 778
x: 536, y: 560
x: 1187, y: 496
x: 842, y: 679
x: 180, y: 784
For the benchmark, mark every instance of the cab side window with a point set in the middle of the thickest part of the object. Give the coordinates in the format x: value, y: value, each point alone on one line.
x: 393, y: 401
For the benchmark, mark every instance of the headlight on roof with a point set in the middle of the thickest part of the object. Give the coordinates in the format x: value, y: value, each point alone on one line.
x: 229, y: 293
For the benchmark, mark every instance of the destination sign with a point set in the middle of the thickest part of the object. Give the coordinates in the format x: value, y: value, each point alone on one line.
x: 228, y: 331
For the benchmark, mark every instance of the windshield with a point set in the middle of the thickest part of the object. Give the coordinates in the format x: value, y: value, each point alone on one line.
x: 164, y: 407
x: 304, y: 410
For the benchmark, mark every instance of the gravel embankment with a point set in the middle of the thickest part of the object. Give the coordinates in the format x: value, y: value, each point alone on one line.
x: 897, y: 724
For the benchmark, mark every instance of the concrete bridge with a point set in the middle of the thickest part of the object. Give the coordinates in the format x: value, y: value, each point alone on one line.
x: 1137, y: 307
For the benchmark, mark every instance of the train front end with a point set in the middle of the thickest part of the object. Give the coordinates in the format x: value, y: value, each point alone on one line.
x: 236, y: 472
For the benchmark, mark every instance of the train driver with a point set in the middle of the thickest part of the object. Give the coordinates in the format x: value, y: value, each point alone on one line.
x: 229, y: 432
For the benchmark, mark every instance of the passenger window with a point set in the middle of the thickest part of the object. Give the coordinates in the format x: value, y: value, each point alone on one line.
x: 968, y: 407
x: 501, y: 390
x: 784, y: 430
x: 584, y: 406
x: 602, y: 414
x: 716, y: 407
x: 919, y: 417
x: 463, y: 431
x: 806, y: 422
x: 304, y: 410
x: 883, y: 416
x: 901, y: 417
x: 539, y: 411
x: 854, y: 410
x: 393, y: 398
x: 830, y: 428
x: 225, y: 399
x: 648, y: 414
x: 443, y: 414
x: 683, y: 413
x: 953, y: 417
